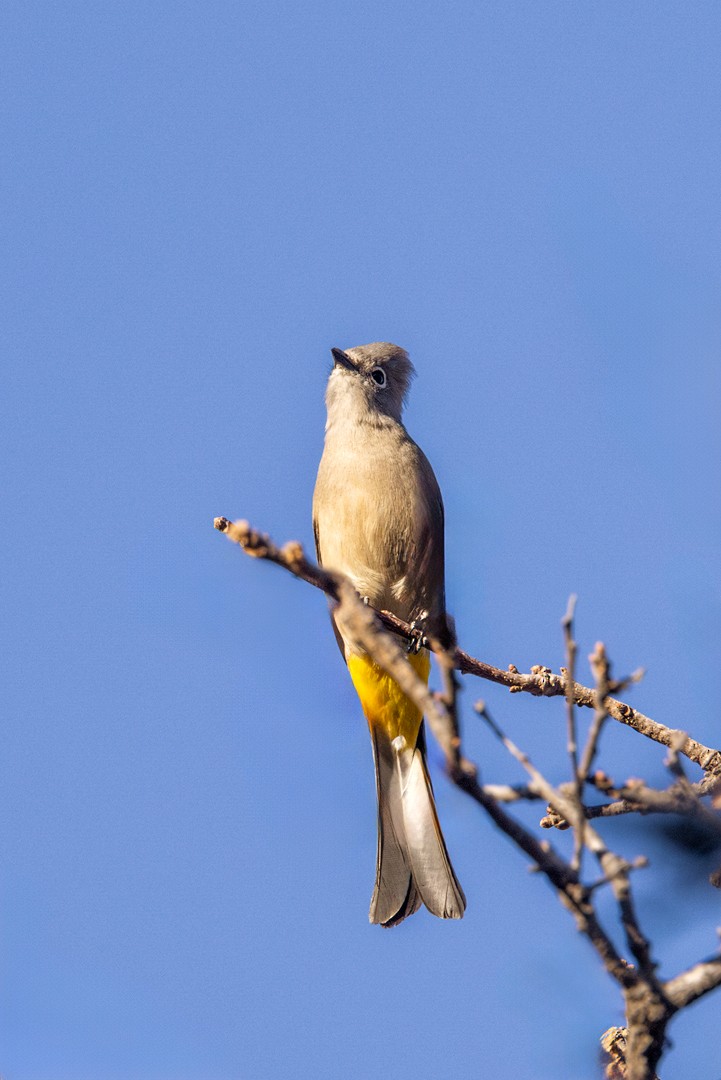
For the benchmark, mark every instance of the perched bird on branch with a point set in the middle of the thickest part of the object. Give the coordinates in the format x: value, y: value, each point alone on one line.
x: 378, y: 518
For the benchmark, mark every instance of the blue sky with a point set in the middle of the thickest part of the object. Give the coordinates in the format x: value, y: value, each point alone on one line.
x: 200, y: 200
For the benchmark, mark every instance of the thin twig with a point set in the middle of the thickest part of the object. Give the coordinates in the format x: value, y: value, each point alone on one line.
x: 692, y: 984
x: 635, y: 797
x: 576, y: 775
x: 508, y: 793
x: 673, y: 761
x: 601, y: 673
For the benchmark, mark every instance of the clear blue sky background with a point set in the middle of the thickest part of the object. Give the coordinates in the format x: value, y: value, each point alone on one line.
x: 200, y: 199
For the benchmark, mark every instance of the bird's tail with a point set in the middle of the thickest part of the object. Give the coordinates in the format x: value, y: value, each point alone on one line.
x: 412, y: 864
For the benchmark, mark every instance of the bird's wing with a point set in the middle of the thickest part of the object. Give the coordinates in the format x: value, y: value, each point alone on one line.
x: 319, y: 557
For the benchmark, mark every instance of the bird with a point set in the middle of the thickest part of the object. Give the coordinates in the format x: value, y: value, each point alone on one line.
x: 378, y: 518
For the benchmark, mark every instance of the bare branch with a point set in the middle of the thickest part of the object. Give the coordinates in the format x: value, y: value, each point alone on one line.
x: 614, y: 867
x: 360, y: 622
x: 692, y: 984
x: 635, y: 797
x: 541, y: 682
x: 573, y: 895
x: 649, y: 1003
x: 508, y: 793
x: 450, y: 738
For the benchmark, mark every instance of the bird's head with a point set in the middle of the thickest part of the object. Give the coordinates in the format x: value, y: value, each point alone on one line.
x: 370, y: 380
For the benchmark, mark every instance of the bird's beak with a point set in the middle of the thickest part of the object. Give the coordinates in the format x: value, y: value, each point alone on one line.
x: 341, y: 359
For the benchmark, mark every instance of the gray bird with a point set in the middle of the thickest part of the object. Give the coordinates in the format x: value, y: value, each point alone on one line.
x: 378, y: 519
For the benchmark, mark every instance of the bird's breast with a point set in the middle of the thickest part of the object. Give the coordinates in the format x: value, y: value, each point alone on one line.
x: 370, y: 517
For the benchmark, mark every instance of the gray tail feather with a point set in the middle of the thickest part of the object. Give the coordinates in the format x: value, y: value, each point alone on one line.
x: 412, y: 865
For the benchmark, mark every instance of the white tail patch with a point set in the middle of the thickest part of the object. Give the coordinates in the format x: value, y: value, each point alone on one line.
x: 430, y: 865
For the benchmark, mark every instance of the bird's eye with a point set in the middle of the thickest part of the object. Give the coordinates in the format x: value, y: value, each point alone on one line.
x: 378, y: 376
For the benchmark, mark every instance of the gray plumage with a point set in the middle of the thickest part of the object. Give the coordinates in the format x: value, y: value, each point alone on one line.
x: 378, y: 518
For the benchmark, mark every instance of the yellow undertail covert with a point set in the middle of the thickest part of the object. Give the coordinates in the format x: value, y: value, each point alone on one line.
x: 383, y: 701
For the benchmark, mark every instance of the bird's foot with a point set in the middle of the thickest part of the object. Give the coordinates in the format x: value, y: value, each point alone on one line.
x: 418, y: 632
